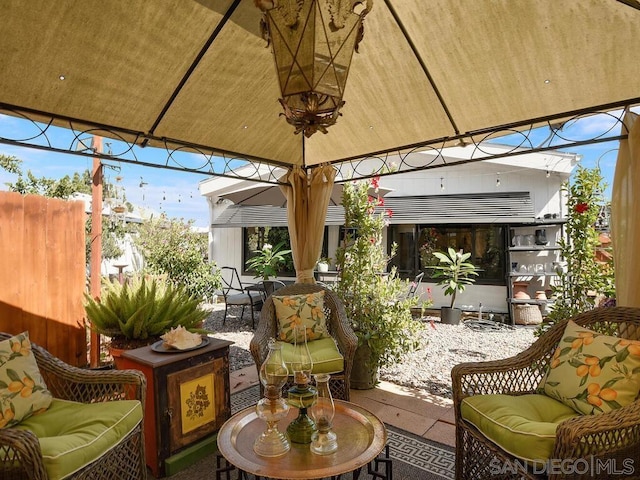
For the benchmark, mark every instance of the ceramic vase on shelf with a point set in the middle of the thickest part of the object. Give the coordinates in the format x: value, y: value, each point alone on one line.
x: 324, y: 441
x: 520, y: 290
x: 541, y: 237
x: 272, y: 408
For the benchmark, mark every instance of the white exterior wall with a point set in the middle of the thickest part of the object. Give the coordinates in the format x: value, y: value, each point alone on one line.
x: 526, y: 173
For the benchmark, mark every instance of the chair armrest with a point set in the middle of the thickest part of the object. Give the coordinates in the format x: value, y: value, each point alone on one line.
x: 342, y: 332
x: 83, y: 385
x: 265, y: 330
x: 515, y: 375
x: 20, y: 455
x: 612, y: 434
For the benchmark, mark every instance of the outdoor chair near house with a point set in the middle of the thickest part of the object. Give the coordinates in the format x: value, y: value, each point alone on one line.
x: 270, y: 286
x: 413, y: 286
x: 332, y: 354
x: 90, y: 426
x: 235, y: 293
x: 566, y: 407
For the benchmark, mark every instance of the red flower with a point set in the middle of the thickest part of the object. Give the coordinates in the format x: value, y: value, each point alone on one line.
x: 389, y: 212
x: 375, y: 182
x: 370, y: 199
x: 581, y: 207
x: 380, y: 201
x: 372, y: 240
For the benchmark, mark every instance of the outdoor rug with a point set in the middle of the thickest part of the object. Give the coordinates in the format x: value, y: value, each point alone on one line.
x: 414, y: 457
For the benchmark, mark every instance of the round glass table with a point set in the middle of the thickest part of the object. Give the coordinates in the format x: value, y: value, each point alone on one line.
x: 361, y: 437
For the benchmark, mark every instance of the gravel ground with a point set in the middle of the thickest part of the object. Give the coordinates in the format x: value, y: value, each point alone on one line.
x: 429, y: 368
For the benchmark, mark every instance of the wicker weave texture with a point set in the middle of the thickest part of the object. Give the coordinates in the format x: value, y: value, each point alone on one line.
x: 337, y: 324
x: 608, y: 437
x: 20, y: 455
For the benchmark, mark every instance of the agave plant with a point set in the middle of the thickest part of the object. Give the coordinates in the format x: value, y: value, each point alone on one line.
x: 141, y: 310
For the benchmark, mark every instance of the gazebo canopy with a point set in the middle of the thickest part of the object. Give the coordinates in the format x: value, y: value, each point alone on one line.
x: 196, y: 75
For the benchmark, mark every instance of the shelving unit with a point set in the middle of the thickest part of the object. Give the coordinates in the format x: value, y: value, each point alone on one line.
x: 532, y: 263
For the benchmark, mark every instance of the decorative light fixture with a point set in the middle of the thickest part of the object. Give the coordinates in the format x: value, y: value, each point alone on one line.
x: 312, y: 43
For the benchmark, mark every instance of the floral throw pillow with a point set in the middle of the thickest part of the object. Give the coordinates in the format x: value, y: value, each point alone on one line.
x: 22, y: 390
x: 306, y: 310
x: 593, y: 373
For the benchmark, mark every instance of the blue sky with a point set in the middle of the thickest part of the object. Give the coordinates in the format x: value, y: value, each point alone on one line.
x: 176, y: 193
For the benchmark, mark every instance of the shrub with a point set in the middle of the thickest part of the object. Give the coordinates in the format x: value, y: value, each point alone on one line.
x: 171, y: 247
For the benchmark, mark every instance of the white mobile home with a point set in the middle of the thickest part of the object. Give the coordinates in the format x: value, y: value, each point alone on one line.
x: 482, y: 207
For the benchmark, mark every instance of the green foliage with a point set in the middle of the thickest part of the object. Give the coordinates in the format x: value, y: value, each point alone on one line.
x: 10, y: 164
x: 265, y: 262
x: 455, y: 273
x: 375, y: 302
x: 584, y: 278
x: 171, y: 247
x: 141, y: 309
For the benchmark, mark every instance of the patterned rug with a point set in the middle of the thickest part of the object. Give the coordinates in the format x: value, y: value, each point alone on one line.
x: 413, y: 457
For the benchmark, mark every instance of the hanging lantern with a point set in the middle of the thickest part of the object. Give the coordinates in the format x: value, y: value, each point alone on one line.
x: 312, y: 42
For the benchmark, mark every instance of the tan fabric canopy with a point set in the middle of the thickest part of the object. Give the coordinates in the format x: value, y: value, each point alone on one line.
x: 197, y: 72
x: 625, y: 219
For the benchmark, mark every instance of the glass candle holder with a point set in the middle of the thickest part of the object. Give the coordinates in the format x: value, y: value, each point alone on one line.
x: 324, y: 441
x: 272, y: 408
x: 302, y: 395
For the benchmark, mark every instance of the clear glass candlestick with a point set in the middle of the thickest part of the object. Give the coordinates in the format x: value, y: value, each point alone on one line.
x: 272, y: 408
x: 324, y: 441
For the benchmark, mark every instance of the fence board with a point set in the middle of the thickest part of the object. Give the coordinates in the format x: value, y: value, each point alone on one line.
x: 43, y: 272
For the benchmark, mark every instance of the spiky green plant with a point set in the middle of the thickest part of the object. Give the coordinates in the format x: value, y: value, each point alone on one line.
x: 143, y: 310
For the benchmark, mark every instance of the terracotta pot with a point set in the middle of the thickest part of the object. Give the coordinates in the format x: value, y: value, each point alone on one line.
x: 520, y: 290
x: 541, y: 295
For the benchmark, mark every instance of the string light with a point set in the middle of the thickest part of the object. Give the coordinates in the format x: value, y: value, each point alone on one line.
x: 441, y: 184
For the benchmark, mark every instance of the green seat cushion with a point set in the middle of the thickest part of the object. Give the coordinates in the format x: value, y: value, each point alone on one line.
x: 73, y: 435
x: 524, y: 425
x: 324, y: 353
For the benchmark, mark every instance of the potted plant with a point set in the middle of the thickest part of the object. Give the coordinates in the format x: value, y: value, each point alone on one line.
x: 375, y: 300
x: 266, y: 262
x: 323, y: 264
x: 139, y: 311
x: 455, y: 273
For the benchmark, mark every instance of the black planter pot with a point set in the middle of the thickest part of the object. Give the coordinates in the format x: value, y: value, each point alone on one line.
x: 450, y: 316
x: 363, y: 375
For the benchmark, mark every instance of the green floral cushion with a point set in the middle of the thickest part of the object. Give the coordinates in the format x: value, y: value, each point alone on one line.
x: 593, y: 373
x: 22, y: 390
x: 306, y: 309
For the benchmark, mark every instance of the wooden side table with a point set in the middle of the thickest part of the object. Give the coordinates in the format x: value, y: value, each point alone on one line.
x: 188, y: 397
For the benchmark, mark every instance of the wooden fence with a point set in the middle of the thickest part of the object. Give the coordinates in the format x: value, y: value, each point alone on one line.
x: 43, y: 273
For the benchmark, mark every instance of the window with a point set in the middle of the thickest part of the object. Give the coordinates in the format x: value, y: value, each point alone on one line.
x: 485, y: 242
x: 255, y: 237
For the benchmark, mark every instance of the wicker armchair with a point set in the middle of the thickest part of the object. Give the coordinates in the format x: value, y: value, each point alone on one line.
x: 20, y: 454
x: 337, y: 324
x: 613, y: 436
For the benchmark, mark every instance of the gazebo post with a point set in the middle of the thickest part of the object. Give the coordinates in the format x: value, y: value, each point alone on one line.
x: 96, y: 242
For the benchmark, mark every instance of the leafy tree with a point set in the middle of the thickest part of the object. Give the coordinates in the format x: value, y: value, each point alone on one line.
x: 374, y: 301
x: 583, y: 279
x: 172, y: 247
